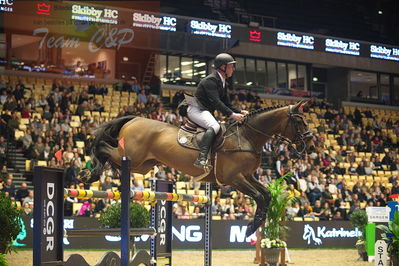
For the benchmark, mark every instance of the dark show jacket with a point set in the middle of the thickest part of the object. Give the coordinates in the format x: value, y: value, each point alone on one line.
x: 212, y: 96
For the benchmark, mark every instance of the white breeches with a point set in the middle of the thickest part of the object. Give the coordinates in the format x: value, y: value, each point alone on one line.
x: 203, y: 118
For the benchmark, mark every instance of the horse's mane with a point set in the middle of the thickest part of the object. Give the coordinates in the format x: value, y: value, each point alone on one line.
x: 263, y: 110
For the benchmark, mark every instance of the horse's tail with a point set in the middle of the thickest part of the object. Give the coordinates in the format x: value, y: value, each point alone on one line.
x: 105, y: 140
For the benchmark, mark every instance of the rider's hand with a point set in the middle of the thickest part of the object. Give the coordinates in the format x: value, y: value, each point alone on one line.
x: 237, y: 116
x: 244, y: 112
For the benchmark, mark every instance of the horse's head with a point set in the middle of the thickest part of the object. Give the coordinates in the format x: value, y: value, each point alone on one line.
x: 297, y: 130
x: 286, y: 124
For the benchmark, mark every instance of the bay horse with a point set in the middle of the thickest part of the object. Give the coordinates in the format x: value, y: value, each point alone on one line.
x: 150, y: 142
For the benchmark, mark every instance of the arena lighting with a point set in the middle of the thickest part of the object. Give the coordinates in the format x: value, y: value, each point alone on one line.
x: 200, y: 64
x: 185, y: 63
x: 315, y: 79
x: 380, y: 12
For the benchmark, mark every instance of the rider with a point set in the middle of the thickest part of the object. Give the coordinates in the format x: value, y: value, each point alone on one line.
x: 212, y: 95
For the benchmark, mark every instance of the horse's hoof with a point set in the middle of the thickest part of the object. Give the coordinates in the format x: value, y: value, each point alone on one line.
x: 85, y: 176
x: 252, y: 227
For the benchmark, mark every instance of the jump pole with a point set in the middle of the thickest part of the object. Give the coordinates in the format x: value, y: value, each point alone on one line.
x: 125, y: 212
x: 208, y: 221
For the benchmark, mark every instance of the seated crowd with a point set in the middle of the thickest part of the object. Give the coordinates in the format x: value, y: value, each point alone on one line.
x: 330, y: 183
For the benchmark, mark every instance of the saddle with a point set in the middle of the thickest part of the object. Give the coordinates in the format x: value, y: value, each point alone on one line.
x: 190, y: 135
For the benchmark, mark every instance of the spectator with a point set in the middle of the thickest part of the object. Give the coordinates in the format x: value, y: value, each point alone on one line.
x: 292, y: 211
x: 217, y: 207
x: 3, y: 97
x: 137, y: 185
x: 9, y: 188
x: 197, y: 213
x: 292, y: 192
x: 70, y: 174
x: 84, y: 209
x: 180, y: 210
x: 108, y: 184
x: 142, y: 98
x: 317, y: 210
x: 22, y: 192
x: 135, y: 87
x: 314, y: 190
x: 29, y: 199
x: 26, y: 209
x: 82, y: 108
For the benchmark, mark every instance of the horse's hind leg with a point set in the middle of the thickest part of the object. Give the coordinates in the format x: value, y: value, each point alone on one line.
x: 247, y: 188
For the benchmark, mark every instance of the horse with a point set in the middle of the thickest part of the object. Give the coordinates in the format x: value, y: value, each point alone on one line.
x: 150, y: 142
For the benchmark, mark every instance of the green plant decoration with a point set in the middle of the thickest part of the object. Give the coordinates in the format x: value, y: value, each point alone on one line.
x: 391, y: 236
x: 10, y: 226
x: 359, y: 219
x: 3, y: 260
x: 274, y: 229
x: 111, y: 216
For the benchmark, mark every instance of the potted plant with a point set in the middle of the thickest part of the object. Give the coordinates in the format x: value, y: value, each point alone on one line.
x: 274, y: 229
x: 9, y: 223
x: 111, y: 217
x: 359, y: 219
x: 391, y: 236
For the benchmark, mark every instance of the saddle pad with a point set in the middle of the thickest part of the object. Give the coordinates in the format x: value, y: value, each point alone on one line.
x: 187, y: 139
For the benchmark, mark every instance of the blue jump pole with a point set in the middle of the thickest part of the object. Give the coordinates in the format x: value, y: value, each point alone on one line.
x: 208, y: 221
x: 125, y: 212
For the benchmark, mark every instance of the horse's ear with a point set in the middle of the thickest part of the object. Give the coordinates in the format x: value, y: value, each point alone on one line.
x: 306, y: 103
x: 298, y: 106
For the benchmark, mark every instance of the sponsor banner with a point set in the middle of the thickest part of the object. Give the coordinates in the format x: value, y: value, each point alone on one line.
x: 342, y: 47
x: 6, y: 5
x: 188, y: 234
x: 383, y: 52
x: 295, y: 40
x: 378, y: 214
x: 150, y: 21
x: 220, y: 30
x: 94, y: 14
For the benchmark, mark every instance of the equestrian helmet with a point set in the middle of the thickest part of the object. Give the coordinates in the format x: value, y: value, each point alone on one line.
x: 223, y: 59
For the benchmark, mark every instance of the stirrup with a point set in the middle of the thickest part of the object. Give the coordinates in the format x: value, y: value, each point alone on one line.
x: 203, y: 164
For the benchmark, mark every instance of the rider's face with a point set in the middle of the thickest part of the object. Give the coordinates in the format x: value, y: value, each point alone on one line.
x: 230, y: 70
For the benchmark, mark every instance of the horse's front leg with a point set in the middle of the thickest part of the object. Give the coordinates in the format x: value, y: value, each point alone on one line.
x: 243, y: 185
x: 266, y: 196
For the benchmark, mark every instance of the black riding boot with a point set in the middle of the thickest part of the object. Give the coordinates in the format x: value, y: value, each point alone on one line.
x: 205, y: 145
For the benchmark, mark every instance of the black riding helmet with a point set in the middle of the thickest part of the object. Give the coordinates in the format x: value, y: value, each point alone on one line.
x: 223, y: 59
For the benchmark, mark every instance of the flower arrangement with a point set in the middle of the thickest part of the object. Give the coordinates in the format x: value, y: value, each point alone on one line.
x: 275, y: 243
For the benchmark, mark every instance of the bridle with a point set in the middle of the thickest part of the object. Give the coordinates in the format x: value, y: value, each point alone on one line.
x: 300, y: 138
